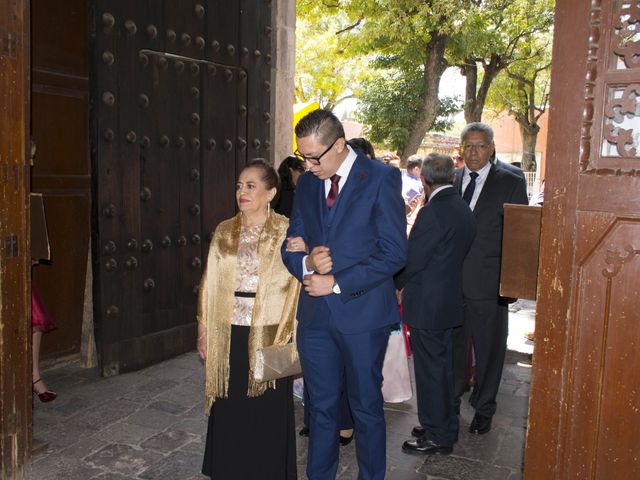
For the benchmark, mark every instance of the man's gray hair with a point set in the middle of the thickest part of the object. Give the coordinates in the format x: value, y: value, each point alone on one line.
x: 477, y: 127
x: 438, y: 169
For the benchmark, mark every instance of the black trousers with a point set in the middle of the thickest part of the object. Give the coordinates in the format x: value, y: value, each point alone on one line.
x: 433, y: 365
x: 486, y: 322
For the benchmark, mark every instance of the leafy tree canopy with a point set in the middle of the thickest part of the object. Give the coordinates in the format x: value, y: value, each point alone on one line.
x: 392, y: 53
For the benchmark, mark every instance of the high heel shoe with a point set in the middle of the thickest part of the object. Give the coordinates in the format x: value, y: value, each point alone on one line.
x: 46, y: 396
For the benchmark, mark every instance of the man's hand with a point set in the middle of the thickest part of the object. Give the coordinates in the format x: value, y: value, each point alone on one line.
x: 399, y: 296
x: 318, y: 285
x: 319, y: 260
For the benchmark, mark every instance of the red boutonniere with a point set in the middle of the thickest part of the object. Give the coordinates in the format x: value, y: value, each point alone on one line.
x: 362, y: 176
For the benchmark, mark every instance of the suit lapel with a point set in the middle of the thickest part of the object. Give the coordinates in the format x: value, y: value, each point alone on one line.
x: 488, y: 190
x: 355, y: 182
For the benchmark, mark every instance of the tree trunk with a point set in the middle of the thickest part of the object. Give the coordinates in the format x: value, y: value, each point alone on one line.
x: 470, y: 72
x: 434, y: 66
x: 529, y: 134
x: 475, y: 98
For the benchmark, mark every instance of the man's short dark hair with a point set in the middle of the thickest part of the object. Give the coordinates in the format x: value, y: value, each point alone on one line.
x: 363, y: 145
x: 323, y: 124
x: 414, y: 162
x: 438, y: 169
x: 477, y: 127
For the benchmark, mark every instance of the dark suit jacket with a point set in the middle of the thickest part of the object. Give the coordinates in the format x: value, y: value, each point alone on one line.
x: 366, y: 232
x: 432, y: 280
x: 509, y: 167
x: 481, y: 270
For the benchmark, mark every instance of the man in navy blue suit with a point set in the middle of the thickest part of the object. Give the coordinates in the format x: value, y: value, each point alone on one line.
x: 431, y: 286
x: 349, y: 211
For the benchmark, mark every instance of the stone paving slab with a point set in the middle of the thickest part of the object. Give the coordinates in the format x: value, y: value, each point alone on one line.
x: 150, y: 425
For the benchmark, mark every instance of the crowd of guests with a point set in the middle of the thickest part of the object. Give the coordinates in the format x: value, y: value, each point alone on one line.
x: 332, y: 253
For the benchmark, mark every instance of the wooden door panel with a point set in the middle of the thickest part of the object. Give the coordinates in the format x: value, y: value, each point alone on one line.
x: 606, y: 344
x: 63, y: 287
x: 61, y: 172
x: 15, y: 317
x: 172, y: 110
x: 57, y: 112
x: 583, y: 420
x: 60, y: 34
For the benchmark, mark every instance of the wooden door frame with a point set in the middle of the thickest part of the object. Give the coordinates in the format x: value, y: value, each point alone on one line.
x: 15, y: 281
x: 561, y: 432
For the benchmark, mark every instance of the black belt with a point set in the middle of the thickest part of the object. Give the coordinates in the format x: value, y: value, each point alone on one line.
x: 245, y: 294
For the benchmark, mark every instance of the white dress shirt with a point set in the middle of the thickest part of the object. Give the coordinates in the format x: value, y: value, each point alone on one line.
x: 343, y: 170
x: 483, y: 173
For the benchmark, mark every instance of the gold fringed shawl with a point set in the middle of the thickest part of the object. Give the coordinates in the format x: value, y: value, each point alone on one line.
x: 273, y: 318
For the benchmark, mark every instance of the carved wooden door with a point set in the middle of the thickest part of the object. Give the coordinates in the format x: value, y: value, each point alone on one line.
x: 15, y: 315
x: 181, y: 98
x: 584, y: 416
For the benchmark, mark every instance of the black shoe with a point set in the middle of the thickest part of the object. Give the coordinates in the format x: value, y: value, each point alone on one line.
x: 304, y: 431
x: 425, y: 447
x: 344, y: 441
x: 418, y: 431
x: 480, y: 424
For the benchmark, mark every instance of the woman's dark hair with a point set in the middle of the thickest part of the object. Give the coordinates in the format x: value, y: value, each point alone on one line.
x: 363, y: 145
x: 284, y: 170
x: 269, y: 175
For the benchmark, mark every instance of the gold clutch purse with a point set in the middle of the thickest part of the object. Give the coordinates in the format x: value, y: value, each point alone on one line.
x: 277, y: 361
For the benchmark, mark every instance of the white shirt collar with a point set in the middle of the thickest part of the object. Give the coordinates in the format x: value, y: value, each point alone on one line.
x: 343, y: 170
x: 437, y: 190
x: 482, y: 173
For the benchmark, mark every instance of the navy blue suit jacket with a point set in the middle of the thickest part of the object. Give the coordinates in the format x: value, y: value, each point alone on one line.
x: 366, y: 233
x: 432, y: 280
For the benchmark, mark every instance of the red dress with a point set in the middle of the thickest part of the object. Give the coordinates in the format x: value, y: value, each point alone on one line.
x: 41, y: 321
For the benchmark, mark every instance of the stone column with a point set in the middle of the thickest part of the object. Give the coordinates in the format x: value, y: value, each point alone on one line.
x: 282, y: 73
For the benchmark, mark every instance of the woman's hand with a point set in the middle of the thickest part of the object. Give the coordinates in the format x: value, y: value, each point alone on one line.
x: 202, y: 341
x: 296, y: 244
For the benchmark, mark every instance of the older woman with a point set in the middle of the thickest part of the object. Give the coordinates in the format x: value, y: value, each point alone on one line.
x: 247, y: 300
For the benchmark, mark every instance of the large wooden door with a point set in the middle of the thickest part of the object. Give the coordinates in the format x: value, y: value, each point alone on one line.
x: 181, y: 99
x: 61, y: 171
x: 15, y: 318
x: 584, y: 420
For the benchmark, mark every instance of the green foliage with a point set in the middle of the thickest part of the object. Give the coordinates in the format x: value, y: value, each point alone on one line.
x: 325, y: 71
x: 378, y: 51
x: 523, y: 88
x: 389, y: 107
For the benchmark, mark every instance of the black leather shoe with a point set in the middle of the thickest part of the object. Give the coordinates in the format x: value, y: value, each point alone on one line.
x: 480, y: 424
x: 344, y: 441
x: 304, y: 431
x: 423, y: 446
x: 418, y: 431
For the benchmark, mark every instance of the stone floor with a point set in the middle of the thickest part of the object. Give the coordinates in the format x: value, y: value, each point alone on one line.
x: 150, y: 424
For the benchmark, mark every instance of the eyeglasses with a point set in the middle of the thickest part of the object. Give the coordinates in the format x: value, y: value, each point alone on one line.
x: 472, y: 146
x: 315, y: 160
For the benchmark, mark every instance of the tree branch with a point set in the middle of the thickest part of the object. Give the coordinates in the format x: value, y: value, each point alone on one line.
x: 350, y: 27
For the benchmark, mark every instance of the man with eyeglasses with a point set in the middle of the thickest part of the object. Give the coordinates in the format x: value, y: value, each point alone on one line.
x: 350, y: 212
x: 486, y: 188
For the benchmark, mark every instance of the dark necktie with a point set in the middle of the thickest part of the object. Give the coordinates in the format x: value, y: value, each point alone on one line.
x: 333, y: 191
x: 468, y: 192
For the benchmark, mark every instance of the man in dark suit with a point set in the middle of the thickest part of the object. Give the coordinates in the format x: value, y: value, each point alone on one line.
x: 350, y: 212
x: 486, y: 188
x: 507, y: 166
x: 431, y: 286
